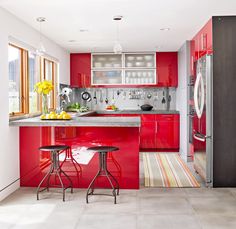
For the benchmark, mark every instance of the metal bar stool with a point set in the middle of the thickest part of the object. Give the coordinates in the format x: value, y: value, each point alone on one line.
x: 55, y: 169
x: 103, y: 172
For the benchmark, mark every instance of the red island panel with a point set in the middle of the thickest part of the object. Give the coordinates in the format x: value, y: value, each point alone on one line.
x: 123, y: 164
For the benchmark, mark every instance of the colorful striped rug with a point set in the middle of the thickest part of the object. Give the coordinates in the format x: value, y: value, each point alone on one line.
x: 167, y: 170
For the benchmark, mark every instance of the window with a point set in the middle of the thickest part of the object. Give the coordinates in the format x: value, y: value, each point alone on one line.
x: 50, y: 73
x: 17, y: 66
x: 26, y: 69
x: 34, y: 77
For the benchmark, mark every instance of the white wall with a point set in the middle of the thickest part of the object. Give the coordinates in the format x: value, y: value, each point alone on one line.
x: 182, y: 97
x: 9, y: 136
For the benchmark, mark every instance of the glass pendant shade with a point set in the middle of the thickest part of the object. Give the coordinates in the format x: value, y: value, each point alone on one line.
x: 41, y: 49
x: 117, y: 48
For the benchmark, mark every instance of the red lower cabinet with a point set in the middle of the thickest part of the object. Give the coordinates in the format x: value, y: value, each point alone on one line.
x: 167, y: 136
x: 148, y: 135
x: 161, y: 133
x: 157, y: 131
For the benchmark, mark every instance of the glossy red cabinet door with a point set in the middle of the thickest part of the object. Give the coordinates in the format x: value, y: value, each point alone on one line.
x: 167, y: 69
x: 147, y: 135
x: 167, y: 136
x: 80, y: 70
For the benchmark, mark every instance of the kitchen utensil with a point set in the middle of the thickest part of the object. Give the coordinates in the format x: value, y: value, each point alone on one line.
x: 118, y: 93
x: 163, y: 101
x: 113, y: 97
x: 86, y: 96
x: 106, y: 100
x: 146, y: 107
x: 95, y: 97
x: 124, y: 95
x: 149, y: 95
x: 101, y: 98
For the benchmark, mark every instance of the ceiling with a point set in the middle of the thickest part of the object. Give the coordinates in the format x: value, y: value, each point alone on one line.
x: 139, y: 28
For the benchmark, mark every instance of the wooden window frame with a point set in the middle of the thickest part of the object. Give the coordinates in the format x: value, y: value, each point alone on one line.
x: 23, y: 82
x: 53, y: 100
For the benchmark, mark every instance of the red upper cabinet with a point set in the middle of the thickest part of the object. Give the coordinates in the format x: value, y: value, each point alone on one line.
x: 80, y: 70
x: 201, y: 44
x: 167, y: 69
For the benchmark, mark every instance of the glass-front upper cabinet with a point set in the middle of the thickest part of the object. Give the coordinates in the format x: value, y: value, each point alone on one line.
x: 106, y: 61
x: 106, y: 77
x: 107, y: 69
x: 135, y: 60
x: 124, y: 69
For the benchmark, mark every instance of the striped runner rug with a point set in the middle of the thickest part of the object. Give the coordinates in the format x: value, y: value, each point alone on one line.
x: 167, y: 170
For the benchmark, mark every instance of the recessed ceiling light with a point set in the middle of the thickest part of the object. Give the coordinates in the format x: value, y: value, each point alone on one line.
x: 83, y: 30
x: 165, y: 29
x: 40, y: 19
x: 71, y: 41
x: 117, y: 17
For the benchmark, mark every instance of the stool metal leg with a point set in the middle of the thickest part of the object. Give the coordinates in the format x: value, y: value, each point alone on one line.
x: 44, y: 178
x: 103, y: 171
x: 55, y: 169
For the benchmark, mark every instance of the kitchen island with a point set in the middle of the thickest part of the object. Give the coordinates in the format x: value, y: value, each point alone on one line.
x: 80, y: 133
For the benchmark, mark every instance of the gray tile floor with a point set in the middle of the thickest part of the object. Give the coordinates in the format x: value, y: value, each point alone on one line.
x: 146, y: 208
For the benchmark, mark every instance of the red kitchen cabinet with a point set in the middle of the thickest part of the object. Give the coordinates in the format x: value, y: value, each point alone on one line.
x: 205, y: 39
x: 167, y: 131
x: 80, y: 70
x: 192, y: 56
x: 161, y: 132
x: 148, y: 135
x: 167, y: 69
x: 201, y: 44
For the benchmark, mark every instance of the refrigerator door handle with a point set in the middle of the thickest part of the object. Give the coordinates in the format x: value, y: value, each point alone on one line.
x: 199, y: 92
x: 201, y: 137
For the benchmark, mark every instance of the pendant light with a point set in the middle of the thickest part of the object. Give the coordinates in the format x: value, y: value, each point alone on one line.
x: 117, y: 48
x: 41, y: 49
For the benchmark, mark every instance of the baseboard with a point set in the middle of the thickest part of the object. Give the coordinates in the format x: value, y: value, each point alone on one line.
x: 9, y: 190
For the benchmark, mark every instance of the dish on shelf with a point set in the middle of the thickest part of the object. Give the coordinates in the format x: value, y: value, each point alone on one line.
x: 148, y: 57
x: 139, y: 58
x: 149, y: 64
x: 101, y: 58
x: 130, y: 58
x: 116, y: 65
x: 129, y: 64
x: 97, y: 65
x: 139, y: 64
x: 107, y: 65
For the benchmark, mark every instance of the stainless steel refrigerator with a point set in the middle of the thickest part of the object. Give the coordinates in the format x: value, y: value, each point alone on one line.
x: 202, y: 120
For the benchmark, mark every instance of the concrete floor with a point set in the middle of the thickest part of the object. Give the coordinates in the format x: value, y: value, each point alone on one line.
x: 147, y: 208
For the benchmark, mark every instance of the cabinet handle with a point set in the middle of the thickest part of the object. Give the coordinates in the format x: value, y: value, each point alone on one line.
x: 203, y: 41
x: 157, y: 126
x: 192, y: 60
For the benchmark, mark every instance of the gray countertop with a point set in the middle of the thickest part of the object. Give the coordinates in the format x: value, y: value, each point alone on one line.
x: 81, y: 121
x: 87, y: 119
x: 138, y: 112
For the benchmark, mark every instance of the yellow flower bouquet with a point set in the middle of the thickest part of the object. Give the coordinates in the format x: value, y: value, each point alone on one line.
x: 44, y: 88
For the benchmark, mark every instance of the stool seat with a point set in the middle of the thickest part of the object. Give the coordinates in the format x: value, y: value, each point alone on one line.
x: 103, y: 149
x: 54, y: 148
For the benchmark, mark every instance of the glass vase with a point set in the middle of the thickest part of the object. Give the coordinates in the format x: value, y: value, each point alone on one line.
x: 45, y: 104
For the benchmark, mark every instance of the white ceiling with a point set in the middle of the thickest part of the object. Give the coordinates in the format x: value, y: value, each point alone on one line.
x: 139, y: 29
